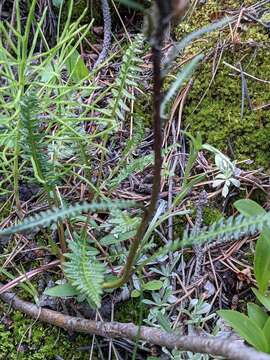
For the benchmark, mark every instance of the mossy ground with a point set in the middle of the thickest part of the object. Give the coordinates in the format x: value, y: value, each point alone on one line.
x: 23, y: 338
x: 218, y: 116
x: 129, y: 311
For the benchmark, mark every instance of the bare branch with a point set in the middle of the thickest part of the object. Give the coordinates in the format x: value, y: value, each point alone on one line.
x: 207, y: 345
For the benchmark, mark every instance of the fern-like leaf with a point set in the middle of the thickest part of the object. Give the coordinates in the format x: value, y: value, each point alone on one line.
x: 127, y: 78
x: 85, y: 272
x: 233, y: 228
x: 135, y: 166
x: 52, y: 216
x: 32, y: 140
x: 123, y: 227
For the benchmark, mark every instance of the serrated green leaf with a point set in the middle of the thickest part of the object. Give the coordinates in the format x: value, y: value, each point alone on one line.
x: 52, y: 216
x: 246, y: 328
x: 135, y: 166
x: 84, y: 271
x: 231, y: 228
x: 120, y: 90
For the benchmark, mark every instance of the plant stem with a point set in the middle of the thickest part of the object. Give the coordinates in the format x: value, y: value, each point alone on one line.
x: 156, y: 42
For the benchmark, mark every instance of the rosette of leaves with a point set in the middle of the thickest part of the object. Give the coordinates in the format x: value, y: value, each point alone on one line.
x: 227, y: 171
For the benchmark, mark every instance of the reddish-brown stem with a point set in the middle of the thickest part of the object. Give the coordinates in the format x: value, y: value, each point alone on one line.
x: 157, y: 42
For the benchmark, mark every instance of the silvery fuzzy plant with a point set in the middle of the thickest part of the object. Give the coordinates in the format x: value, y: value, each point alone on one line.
x: 227, y: 171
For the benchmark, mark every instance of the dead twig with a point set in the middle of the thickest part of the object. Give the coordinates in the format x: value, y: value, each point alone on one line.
x: 207, y: 345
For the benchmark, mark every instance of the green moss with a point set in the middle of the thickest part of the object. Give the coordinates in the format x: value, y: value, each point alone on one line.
x: 211, y: 11
x: 211, y: 215
x: 143, y: 108
x: 129, y: 311
x: 5, y: 210
x: 218, y: 116
x: 38, y: 341
x: 259, y: 196
x: 94, y: 12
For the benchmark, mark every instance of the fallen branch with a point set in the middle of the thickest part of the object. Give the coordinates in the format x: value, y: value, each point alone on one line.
x: 207, y: 345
